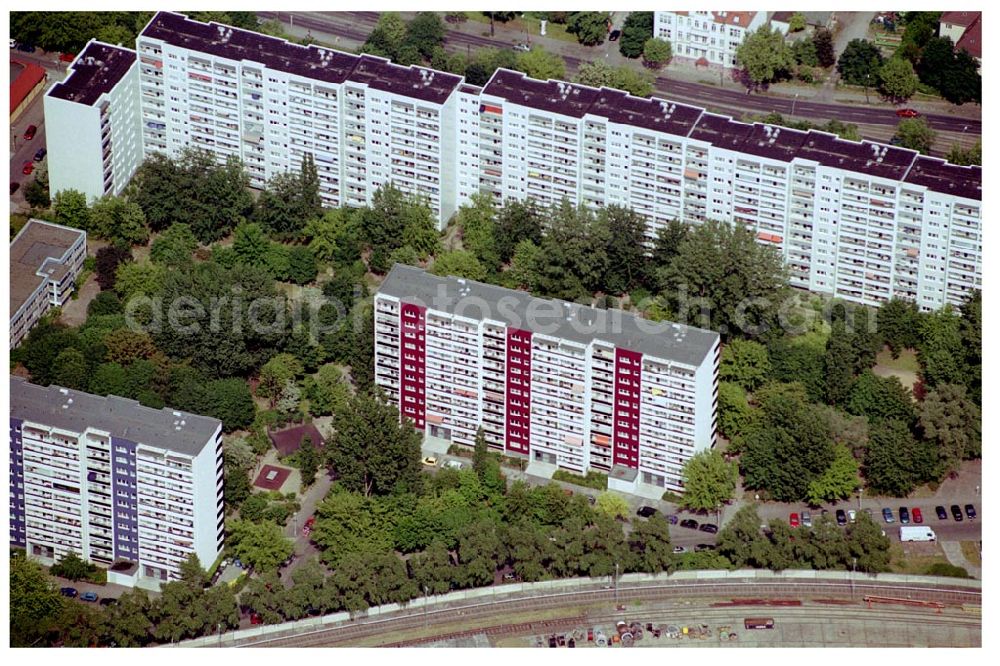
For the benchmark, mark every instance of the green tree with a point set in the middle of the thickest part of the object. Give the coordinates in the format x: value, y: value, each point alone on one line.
x: 881, y: 398
x: 746, y: 363
x: 626, y: 251
x: 327, y: 392
x: 804, y: 52
x: 71, y: 369
x: 73, y: 567
x: 954, y: 423
x: 373, y: 452
x: 823, y: 39
x: 459, y: 263
x: 140, y: 278
x: 649, y: 545
x: 966, y: 156
x: 612, y: 504
x: 708, y: 481
x: 290, y: 200
x: 838, y: 481
x: 797, y: 22
x: 896, y: 462
x: 517, y: 221
x: 764, y: 56
x: 34, y: 601
x: 333, y: 236
x: 261, y: 545
x: 868, y: 545
x: 109, y: 379
x: 599, y: 74
x: 174, y: 246
x: 540, y: 64
x: 228, y: 400
x: 954, y: 74
x: 734, y: 411
x: 432, y: 569
x: 105, y: 303
x: 742, y: 542
x: 898, y: 322
x: 657, y: 52
x: 942, y: 351
x: 308, y: 461
x: 481, y: 456
x: 107, y: 261
x: 126, y: 623
x: 590, y: 28
x: 425, y: 31
x: 722, y: 267
x: 915, y: 134
x: 478, y: 223
x: 636, y: 30
x: 897, y: 79
x: 70, y: 208
x: 302, y: 267
x: 860, y: 63
x: 387, y: 37
x: 119, y: 220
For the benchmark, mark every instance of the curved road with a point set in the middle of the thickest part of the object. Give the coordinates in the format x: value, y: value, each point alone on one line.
x: 823, y: 596
x: 733, y: 102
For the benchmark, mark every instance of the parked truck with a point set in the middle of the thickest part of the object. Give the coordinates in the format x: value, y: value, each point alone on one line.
x: 916, y: 533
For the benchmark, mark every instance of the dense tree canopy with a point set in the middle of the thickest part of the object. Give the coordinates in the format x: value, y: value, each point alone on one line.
x: 636, y: 30
x: 860, y: 63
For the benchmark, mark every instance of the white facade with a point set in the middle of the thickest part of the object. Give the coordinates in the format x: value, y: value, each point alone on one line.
x: 113, y: 482
x: 549, y: 381
x: 712, y: 36
x: 92, y: 123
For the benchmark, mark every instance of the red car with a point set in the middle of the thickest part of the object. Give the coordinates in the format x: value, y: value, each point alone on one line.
x: 907, y: 113
x: 916, y: 515
x: 793, y: 520
x: 29, y: 133
x: 27, y: 168
x: 67, y: 57
x: 255, y: 619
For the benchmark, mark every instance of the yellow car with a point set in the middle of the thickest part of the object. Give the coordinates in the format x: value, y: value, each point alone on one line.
x: 430, y: 461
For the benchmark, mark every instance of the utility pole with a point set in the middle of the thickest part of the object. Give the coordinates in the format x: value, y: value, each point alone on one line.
x: 616, y: 585
x: 854, y: 565
x: 491, y: 24
x: 867, y: 80
x: 794, y: 100
x: 426, y: 599
x: 861, y: 491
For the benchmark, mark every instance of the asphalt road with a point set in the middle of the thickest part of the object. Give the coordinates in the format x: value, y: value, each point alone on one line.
x: 353, y: 29
x: 23, y: 150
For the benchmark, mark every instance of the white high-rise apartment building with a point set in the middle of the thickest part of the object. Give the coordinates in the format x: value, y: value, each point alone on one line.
x: 125, y: 486
x: 710, y: 38
x: 269, y: 102
x: 859, y: 220
x: 551, y: 381
x: 92, y: 122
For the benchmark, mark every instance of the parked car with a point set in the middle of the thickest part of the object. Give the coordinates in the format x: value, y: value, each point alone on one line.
x: 521, y: 47
x: 29, y: 133
x: 904, y: 515
x: 807, y: 520
x: 40, y: 154
x: 615, y: 34
x: 942, y: 514
x: 645, y: 512
x: 852, y: 516
x: 793, y: 519
x: 956, y: 513
x: 68, y: 591
x: 255, y: 619
x: 841, y: 517
x: 710, y: 528
x: 887, y: 515
x: 689, y: 524
x: 918, y: 517
x: 88, y: 596
x: 672, y: 519
x: 679, y: 549
x: 67, y: 57
x: 14, y: 187
x: 430, y: 461
x: 907, y: 113
x: 27, y: 168
x: 27, y: 48
x: 108, y: 601
x: 703, y: 546
x: 970, y: 511
x: 454, y: 464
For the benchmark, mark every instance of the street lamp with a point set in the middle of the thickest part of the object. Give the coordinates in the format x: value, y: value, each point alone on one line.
x: 867, y: 80
x: 854, y: 566
x: 793, y: 103
x: 861, y: 491
x: 616, y: 585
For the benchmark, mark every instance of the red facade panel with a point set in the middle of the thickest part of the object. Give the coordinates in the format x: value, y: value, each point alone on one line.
x: 412, y: 363
x: 518, y: 391
x: 628, y: 382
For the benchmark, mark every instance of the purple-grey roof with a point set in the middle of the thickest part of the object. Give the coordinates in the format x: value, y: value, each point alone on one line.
x: 312, y: 61
x: 652, y: 114
x: 940, y: 176
x: 720, y: 131
x: 95, y: 72
x: 774, y: 142
x: 568, y: 99
x: 859, y: 156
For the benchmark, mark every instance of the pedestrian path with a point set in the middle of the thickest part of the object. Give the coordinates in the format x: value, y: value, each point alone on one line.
x: 953, y: 551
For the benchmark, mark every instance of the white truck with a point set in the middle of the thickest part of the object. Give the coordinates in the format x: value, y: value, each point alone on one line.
x: 916, y: 533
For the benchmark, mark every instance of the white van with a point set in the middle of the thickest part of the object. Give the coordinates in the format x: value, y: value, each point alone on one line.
x: 916, y: 533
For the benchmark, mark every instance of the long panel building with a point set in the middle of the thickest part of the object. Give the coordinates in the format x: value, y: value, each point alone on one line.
x: 557, y: 383
x: 860, y: 220
x: 113, y: 482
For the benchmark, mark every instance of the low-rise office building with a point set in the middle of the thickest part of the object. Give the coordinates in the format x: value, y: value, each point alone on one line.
x: 45, y: 260
x: 557, y: 383
x: 113, y: 482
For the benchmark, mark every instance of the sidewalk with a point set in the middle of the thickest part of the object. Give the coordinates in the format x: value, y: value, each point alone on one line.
x: 953, y: 551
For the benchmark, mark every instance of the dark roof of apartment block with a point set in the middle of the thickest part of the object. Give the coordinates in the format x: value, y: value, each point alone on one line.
x: 312, y: 61
x: 568, y: 99
x: 940, y: 176
x: 560, y: 319
x: 76, y: 411
x: 38, y: 247
x: 650, y: 113
x: 865, y: 157
x: 774, y: 142
x: 95, y: 72
x: 720, y: 131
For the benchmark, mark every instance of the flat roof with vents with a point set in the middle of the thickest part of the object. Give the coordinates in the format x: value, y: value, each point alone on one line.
x: 95, y: 72
x: 559, y: 319
x: 312, y: 62
x: 37, y: 254
x: 940, y: 176
x: 75, y: 411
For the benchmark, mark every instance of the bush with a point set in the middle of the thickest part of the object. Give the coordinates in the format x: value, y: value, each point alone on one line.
x: 947, y: 570
x: 593, y: 479
x: 672, y: 497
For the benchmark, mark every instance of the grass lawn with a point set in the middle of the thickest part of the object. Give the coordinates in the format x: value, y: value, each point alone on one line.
x: 526, y: 25
x: 971, y: 551
x: 905, y: 367
x: 915, y: 559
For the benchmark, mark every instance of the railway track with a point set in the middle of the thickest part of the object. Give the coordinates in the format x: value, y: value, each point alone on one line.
x: 827, y: 591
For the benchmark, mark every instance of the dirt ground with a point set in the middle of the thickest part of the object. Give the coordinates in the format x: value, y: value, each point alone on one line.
x: 74, y: 313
